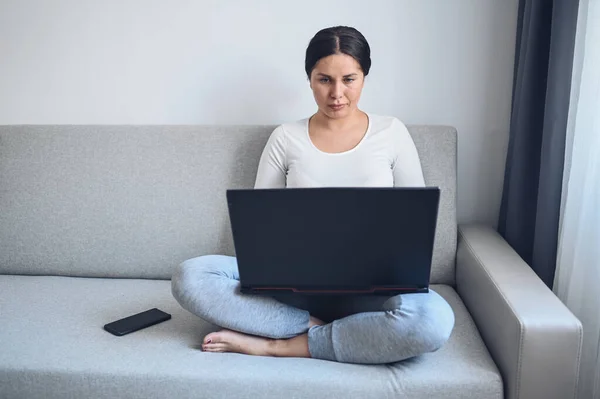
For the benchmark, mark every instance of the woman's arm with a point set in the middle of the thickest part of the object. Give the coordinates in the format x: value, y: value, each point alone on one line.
x: 272, y: 167
x: 407, y: 164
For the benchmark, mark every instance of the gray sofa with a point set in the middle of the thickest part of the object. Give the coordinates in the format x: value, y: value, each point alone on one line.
x: 93, y: 220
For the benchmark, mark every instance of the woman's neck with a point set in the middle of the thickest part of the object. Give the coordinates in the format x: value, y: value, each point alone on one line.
x: 341, y: 124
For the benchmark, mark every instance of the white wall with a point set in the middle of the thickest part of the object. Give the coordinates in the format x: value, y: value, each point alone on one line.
x: 233, y: 61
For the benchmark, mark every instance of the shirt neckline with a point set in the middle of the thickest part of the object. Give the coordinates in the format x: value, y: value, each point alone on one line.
x: 306, y: 129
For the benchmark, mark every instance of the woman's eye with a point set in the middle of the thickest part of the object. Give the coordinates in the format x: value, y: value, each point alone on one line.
x: 323, y: 80
x: 349, y: 80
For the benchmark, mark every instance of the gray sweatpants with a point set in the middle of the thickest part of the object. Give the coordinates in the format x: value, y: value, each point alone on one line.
x: 360, y: 329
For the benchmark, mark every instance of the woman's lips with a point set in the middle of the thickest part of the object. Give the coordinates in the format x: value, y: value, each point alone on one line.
x: 337, y: 107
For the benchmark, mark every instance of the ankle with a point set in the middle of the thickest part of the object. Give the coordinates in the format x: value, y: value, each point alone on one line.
x: 276, y: 347
x: 291, y: 347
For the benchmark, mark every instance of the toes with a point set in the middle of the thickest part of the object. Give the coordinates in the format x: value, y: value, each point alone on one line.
x: 211, y: 338
x: 218, y: 336
x: 214, y: 348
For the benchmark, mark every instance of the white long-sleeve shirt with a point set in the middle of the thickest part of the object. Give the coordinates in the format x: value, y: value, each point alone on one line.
x: 385, y: 157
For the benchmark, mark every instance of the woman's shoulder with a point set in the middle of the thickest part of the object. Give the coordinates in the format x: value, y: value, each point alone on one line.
x: 385, y: 122
x: 290, y: 128
x: 296, y: 124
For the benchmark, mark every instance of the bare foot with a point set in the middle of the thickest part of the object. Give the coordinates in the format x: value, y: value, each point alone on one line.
x: 233, y: 341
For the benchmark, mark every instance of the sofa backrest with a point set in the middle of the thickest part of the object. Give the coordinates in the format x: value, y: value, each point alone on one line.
x: 134, y: 201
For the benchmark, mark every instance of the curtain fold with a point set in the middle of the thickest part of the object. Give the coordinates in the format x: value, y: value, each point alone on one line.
x: 578, y: 260
x: 531, y: 198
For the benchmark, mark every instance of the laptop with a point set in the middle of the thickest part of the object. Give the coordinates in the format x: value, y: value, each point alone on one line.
x: 371, y: 241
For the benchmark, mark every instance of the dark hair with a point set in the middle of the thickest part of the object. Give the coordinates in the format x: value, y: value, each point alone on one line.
x: 336, y: 40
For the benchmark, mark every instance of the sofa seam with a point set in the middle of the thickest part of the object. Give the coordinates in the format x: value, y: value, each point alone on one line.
x: 521, y: 328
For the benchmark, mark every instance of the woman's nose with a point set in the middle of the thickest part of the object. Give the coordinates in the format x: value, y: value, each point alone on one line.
x: 337, y: 91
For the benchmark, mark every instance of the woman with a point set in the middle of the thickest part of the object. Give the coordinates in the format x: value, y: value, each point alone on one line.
x: 340, y: 145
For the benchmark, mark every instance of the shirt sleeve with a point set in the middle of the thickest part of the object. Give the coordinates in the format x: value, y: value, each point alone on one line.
x: 272, y: 167
x: 406, y: 166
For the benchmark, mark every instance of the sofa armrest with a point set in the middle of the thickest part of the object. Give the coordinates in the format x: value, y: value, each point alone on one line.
x: 533, y: 338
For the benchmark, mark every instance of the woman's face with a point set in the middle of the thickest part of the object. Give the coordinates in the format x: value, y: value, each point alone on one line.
x: 337, y: 82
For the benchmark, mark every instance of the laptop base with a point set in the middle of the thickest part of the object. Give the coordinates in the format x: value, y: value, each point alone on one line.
x: 384, y: 291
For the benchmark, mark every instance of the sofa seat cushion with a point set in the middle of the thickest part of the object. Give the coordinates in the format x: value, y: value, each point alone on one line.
x: 53, y: 345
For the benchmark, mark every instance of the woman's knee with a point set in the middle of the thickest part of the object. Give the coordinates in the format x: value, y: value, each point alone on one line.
x: 190, y: 276
x: 431, y: 320
x: 436, y: 321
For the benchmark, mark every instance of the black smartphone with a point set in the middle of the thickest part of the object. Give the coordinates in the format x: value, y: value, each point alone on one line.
x: 137, y: 322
